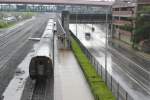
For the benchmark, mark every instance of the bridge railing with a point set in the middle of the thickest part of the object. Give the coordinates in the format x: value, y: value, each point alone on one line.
x: 73, y: 9
x: 116, y: 88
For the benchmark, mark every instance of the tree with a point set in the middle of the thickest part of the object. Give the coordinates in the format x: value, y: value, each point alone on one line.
x: 142, y: 29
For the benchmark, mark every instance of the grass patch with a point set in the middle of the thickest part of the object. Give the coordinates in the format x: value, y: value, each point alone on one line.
x: 3, y: 24
x: 97, y: 85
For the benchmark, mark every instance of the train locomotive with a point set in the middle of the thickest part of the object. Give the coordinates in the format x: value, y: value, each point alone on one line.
x: 41, y: 64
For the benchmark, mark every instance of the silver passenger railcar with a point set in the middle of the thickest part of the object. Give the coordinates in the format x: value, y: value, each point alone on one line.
x: 41, y: 65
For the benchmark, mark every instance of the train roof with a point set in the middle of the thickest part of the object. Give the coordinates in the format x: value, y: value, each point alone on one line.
x: 44, y: 47
x: 47, y: 34
x: 50, y: 27
x: 51, y: 20
x: 43, y: 50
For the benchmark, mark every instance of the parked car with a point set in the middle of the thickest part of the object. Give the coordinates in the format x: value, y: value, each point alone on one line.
x: 93, y: 29
x: 10, y: 19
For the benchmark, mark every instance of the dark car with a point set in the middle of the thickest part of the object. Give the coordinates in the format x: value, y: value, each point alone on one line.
x: 87, y: 36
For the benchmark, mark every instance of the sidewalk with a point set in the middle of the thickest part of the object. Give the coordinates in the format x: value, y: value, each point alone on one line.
x: 69, y: 82
x: 128, y: 47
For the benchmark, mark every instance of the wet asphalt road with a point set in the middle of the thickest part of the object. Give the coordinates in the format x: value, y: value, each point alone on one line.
x: 132, y: 72
x: 14, y: 46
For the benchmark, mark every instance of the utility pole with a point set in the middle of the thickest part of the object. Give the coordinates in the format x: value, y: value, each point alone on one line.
x: 106, y: 45
x: 111, y: 30
x: 76, y: 25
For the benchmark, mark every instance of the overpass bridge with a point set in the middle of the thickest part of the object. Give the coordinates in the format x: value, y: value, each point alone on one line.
x: 89, y: 18
x: 84, y: 9
x: 73, y: 6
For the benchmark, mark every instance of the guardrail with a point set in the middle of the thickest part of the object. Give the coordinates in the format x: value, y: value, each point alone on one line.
x: 117, y: 90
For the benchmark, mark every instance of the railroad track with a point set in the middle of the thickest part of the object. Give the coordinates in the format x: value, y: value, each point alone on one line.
x: 15, y: 48
x: 7, y: 35
x: 40, y: 90
x: 21, y: 37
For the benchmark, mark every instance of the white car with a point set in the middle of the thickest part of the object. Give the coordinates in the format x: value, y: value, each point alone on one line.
x: 10, y: 19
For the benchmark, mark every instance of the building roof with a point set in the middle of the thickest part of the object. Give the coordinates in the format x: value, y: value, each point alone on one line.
x: 123, y: 4
x: 69, y: 2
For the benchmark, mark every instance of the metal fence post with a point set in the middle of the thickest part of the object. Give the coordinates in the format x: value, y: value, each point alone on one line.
x: 93, y: 62
x: 101, y: 71
x: 92, y: 59
x: 111, y: 82
x: 118, y: 92
x: 126, y: 96
x: 97, y: 67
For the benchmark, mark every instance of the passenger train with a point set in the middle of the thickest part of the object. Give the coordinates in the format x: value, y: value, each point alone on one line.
x: 41, y: 64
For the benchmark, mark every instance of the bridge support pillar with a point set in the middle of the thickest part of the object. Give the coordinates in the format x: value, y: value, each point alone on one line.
x: 65, y: 24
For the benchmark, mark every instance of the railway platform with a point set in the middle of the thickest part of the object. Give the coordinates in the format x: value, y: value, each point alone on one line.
x: 69, y: 81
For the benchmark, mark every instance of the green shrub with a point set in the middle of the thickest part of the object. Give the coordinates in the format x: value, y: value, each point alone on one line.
x: 97, y: 85
x: 126, y: 27
x: 4, y: 24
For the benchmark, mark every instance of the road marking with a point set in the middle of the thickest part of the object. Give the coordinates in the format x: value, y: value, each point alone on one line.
x: 134, y: 80
x: 129, y: 60
x: 129, y: 74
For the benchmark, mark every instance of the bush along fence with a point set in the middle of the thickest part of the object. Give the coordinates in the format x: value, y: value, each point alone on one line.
x: 95, y: 74
x: 97, y: 85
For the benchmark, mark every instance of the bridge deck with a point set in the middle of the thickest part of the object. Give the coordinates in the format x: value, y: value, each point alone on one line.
x: 73, y: 2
